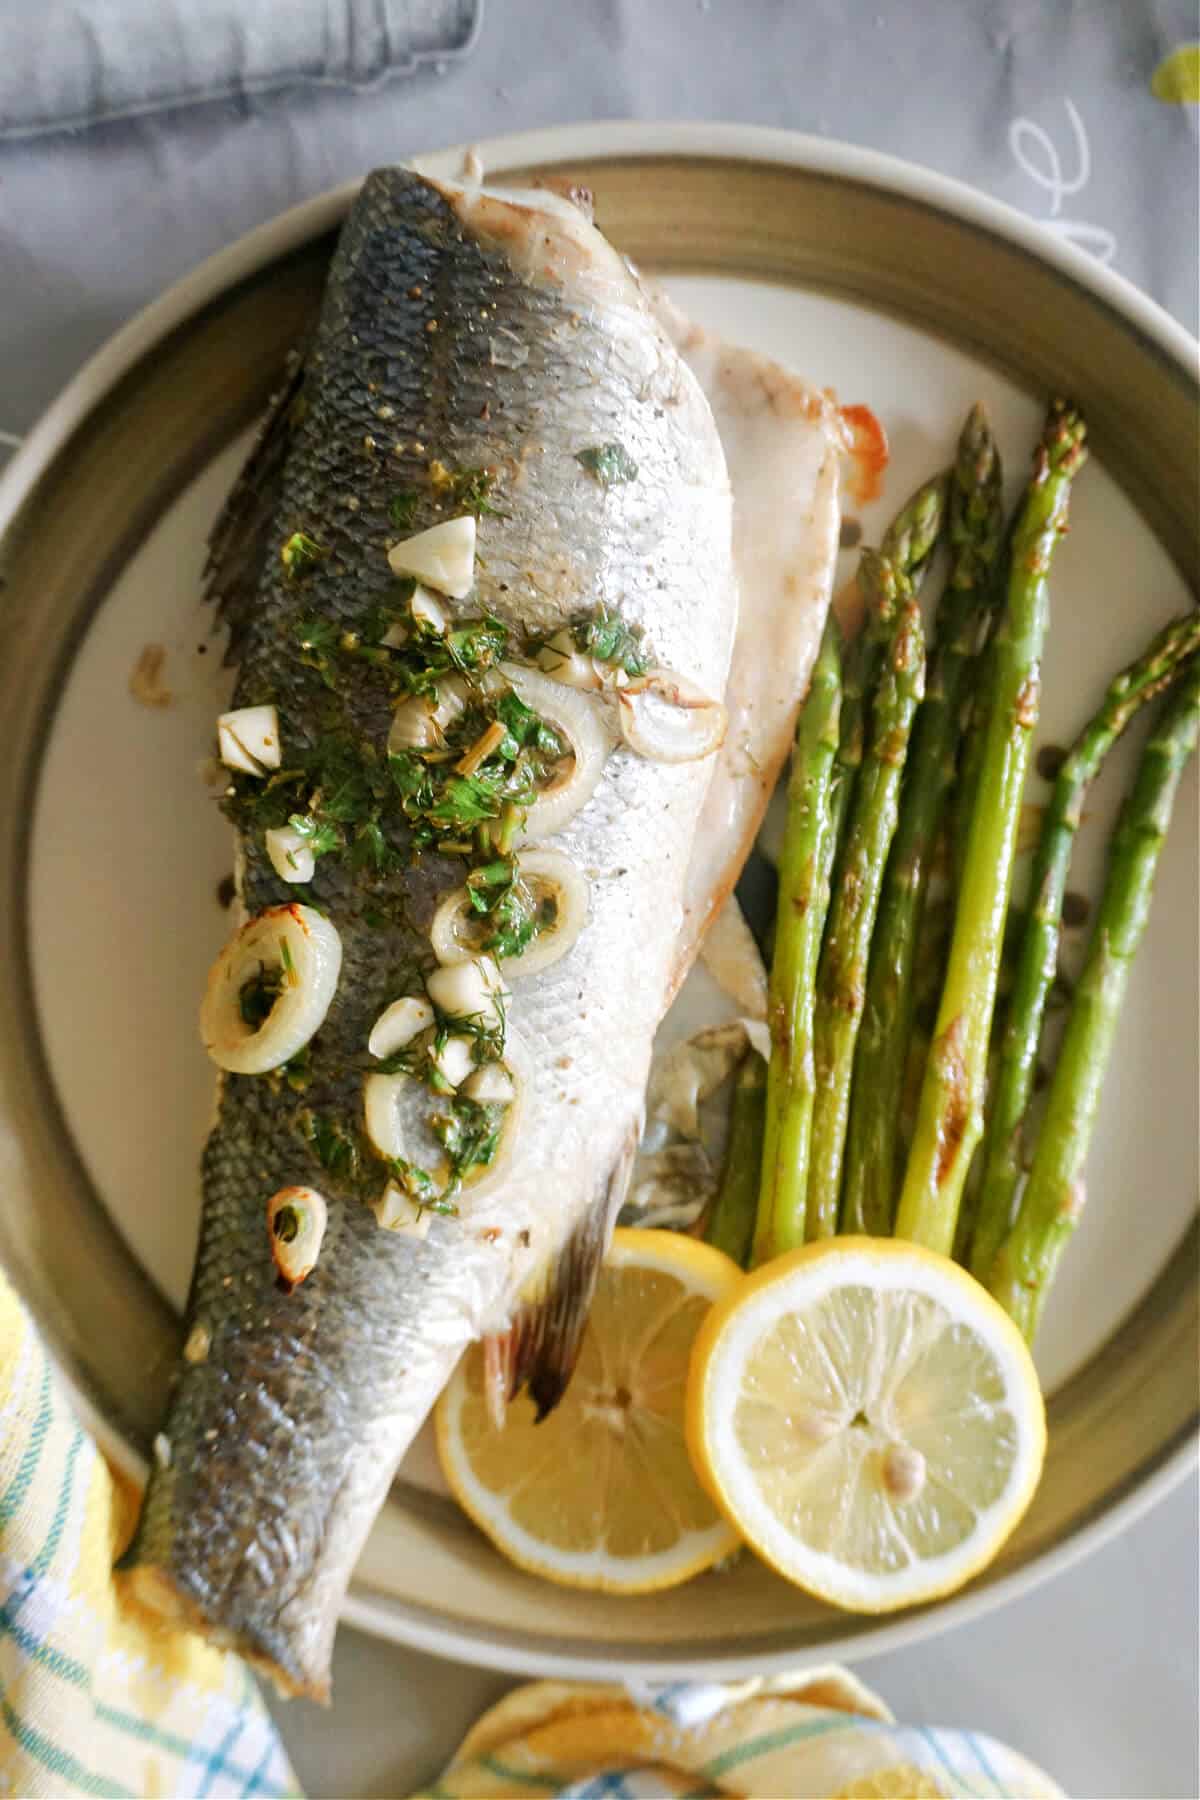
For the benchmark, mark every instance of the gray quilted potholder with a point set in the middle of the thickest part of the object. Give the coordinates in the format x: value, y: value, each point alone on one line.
x: 69, y: 63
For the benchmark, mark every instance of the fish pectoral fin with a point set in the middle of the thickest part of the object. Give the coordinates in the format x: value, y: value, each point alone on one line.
x: 240, y: 540
x: 540, y: 1347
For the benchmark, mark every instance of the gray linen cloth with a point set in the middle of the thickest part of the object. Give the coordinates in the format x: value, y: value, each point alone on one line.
x: 1046, y: 104
x: 68, y: 63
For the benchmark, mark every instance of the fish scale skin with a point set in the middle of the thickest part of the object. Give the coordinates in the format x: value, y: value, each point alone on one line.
x: 284, y: 1439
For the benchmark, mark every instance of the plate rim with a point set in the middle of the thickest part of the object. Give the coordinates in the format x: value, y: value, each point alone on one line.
x: 600, y: 141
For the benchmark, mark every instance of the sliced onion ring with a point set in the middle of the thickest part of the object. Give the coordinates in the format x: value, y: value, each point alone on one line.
x: 666, y: 718
x: 576, y: 717
x: 302, y: 945
x: 296, y: 1220
x: 382, y: 1092
x: 456, y: 930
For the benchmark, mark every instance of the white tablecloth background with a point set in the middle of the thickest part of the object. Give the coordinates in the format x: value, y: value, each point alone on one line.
x: 1043, y: 103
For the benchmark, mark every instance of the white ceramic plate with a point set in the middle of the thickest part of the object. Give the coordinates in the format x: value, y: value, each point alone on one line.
x: 127, y: 850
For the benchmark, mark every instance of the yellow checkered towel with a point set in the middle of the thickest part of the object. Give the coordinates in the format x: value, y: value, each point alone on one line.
x: 816, y: 1736
x: 97, y: 1698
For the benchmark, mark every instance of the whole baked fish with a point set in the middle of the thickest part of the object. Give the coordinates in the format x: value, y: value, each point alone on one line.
x: 478, y: 582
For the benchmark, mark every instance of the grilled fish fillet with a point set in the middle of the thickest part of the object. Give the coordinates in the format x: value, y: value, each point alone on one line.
x: 785, y: 446
x: 460, y: 332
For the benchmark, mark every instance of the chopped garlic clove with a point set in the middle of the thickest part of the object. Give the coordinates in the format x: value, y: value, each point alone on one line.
x: 296, y: 1220
x: 455, y: 1060
x: 398, y: 1024
x: 291, y: 858
x: 428, y: 612
x: 559, y: 658
x: 248, y: 739
x: 443, y: 556
x: 420, y: 722
x: 468, y: 990
x: 397, y: 1211
x: 492, y: 1084
x: 381, y: 1112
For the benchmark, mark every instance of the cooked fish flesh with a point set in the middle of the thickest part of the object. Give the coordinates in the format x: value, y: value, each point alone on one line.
x: 478, y: 583
x: 785, y: 446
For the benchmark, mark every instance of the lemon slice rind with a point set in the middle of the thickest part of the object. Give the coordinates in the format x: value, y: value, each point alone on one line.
x: 791, y: 1288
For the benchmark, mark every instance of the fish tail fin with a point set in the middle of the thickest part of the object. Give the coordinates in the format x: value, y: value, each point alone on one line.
x: 540, y: 1347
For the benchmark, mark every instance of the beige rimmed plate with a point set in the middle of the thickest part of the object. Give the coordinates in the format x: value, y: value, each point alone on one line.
x: 893, y: 286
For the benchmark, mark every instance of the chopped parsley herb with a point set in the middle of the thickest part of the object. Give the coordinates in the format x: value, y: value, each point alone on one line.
x: 402, y: 509
x: 505, y: 903
x: 371, y: 849
x: 420, y: 1186
x: 318, y: 838
x: 285, y: 957
x: 488, y: 875
x: 318, y: 639
x: 318, y: 635
x: 333, y: 1149
x: 468, y: 488
x: 477, y: 644
x: 515, y: 919
x: 414, y: 781
x: 257, y: 996
x: 526, y: 728
x: 299, y: 553
x: 296, y: 1072
x: 465, y: 800
x: 469, y: 1132
x: 605, y: 635
x: 348, y: 799
x: 609, y: 464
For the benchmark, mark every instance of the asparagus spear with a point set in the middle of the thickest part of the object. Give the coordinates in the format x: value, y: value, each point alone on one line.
x: 975, y: 525
x: 1012, y: 1086
x: 950, y: 1114
x: 908, y: 545
x: 803, y: 897
x: 912, y: 537
x: 841, y: 979
x: 731, y: 1223
x: 1025, y: 1264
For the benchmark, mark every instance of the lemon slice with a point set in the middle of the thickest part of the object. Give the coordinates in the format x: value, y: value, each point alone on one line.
x: 601, y: 1494
x: 870, y: 1420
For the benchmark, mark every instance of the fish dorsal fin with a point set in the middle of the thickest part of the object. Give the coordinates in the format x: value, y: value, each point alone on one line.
x: 540, y: 1347
x: 240, y: 539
